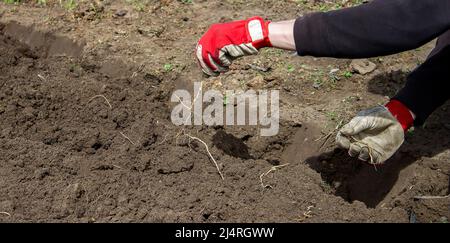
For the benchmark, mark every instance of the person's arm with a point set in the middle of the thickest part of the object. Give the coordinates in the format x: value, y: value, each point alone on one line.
x: 380, y: 27
x: 281, y: 35
x: 427, y: 87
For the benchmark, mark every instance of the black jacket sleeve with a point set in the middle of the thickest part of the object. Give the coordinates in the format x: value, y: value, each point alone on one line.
x: 380, y: 27
x: 428, y: 86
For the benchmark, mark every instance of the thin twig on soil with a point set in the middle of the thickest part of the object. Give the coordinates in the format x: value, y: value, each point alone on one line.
x: 42, y: 78
x: 6, y: 213
x: 127, y: 138
x: 182, y: 103
x: 117, y: 166
x: 432, y: 197
x: 178, y: 135
x: 102, y: 96
x: 209, y: 153
x: 274, y: 168
x: 164, y: 139
x: 306, y: 215
x: 308, y: 212
x: 140, y: 68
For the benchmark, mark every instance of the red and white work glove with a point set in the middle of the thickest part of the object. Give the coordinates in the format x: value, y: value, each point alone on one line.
x: 374, y: 135
x: 223, y: 43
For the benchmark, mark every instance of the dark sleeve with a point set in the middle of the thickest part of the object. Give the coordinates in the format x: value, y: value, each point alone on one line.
x: 380, y: 27
x: 428, y: 86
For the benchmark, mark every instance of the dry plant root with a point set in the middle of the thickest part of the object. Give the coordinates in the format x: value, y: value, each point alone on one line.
x: 432, y: 197
x: 127, y: 138
x: 209, y: 153
x: 101, y: 96
x: 196, y: 138
x: 42, y: 78
x: 274, y: 168
x: 327, y: 137
x: 306, y: 215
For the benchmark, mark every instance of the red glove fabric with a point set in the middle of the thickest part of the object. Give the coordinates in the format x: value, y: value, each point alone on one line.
x: 402, y: 113
x: 224, y: 42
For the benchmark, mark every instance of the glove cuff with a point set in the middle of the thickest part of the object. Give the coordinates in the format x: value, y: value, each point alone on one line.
x: 401, y: 113
x: 258, y: 31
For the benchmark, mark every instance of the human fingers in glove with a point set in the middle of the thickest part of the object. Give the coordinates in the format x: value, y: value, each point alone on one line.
x: 374, y: 135
x: 224, y: 42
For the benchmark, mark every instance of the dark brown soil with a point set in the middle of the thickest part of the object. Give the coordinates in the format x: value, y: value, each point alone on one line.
x: 86, y: 136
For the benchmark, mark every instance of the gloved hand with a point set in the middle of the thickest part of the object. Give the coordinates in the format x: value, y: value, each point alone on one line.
x: 224, y: 42
x: 374, y: 135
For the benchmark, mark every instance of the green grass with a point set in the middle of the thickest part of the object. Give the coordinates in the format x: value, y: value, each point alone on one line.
x: 138, y: 5
x: 12, y: 1
x: 290, y: 68
x: 68, y: 4
x: 347, y: 74
x: 40, y: 2
x: 168, y: 67
x: 333, y: 116
x: 317, y: 83
x: 318, y: 78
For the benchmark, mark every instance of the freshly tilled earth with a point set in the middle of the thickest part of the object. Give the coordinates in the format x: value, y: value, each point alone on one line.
x: 86, y: 135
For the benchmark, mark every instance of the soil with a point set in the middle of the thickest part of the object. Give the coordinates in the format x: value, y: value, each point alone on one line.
x: 86, y: 135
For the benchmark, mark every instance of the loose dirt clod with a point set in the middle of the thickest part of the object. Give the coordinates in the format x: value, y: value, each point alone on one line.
x: 362, y: 66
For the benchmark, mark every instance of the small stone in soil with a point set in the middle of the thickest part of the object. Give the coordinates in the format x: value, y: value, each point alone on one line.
x: 362, y: 66
x: 120, y: 13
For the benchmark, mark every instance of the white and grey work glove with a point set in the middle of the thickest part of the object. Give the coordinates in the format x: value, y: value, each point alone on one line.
x: 374, y: 135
